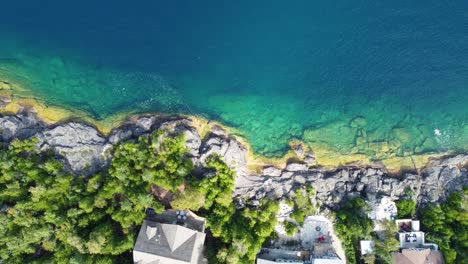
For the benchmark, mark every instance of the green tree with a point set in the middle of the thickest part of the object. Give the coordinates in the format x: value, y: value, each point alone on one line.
x: 290, y: 228
x: 406, y: 208
x: 302, y: 204
x: 352, y: 225
x: 447, y: 226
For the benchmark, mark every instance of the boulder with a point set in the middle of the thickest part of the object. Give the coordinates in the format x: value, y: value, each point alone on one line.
x: 299, y: 179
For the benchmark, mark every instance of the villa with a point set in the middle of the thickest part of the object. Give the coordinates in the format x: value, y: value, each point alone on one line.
x: 173, y: 237
x: 413, y: 247
x: 410, y: 235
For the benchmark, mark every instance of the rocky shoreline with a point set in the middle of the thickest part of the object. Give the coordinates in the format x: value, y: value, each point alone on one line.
x: 84, y: 150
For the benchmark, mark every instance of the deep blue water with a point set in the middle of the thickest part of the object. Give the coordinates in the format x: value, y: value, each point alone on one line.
x: 276, y: 70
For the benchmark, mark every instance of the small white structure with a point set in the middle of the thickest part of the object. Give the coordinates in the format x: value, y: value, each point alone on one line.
x: 367, y: 247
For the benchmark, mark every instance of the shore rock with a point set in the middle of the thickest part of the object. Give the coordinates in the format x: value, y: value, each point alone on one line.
x: 85, y: 150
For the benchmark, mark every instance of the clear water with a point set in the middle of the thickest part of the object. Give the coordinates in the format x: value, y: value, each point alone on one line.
x: 355, y: 76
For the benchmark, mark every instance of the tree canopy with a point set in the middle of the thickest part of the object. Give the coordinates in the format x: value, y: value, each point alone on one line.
x: 447, y: 226
x: 51, y: 216
x: 406, y: 208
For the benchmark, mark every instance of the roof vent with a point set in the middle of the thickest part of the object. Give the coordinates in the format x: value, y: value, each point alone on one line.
x: 150, y: 231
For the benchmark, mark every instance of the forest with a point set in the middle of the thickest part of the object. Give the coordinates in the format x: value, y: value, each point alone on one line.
x: 48, y: 215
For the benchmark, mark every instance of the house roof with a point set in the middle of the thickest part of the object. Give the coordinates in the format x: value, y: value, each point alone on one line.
x: 418, y: 256
x: 167, y: 243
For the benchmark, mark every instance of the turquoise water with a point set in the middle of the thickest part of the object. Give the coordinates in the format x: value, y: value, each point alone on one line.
x: 356, y: 76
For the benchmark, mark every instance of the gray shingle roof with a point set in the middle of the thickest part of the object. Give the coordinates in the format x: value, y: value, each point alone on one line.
x: 168, y: 243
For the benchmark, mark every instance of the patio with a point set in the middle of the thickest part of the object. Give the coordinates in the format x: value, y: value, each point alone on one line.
x: 316, y: 230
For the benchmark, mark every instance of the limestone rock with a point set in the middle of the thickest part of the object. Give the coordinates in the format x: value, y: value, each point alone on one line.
x: 192, y: 140
x: 271, y: 171
x: 231, y: 151
x: 296, y: 167
x: 299, y: 150
x: 235, y: 154
x: 145, y: 123
x: 442, y: 177
x: 121, y: 134
x: 80, y: 145
x: 219, y: 131
x: 20, y: 126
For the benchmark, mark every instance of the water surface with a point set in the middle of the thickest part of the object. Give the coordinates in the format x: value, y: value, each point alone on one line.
x: 354, y: 76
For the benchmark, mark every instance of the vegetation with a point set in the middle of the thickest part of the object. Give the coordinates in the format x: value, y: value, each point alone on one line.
x: 447, y: 226
x: 352, y: 225
x: 50, y: 216
x: 386, y: 241
x: 190, y: 199
x: 302, y: 204
x: 290, y: 228
x: 406, y: 208
x: 241, y: 232
x: 368, y: 259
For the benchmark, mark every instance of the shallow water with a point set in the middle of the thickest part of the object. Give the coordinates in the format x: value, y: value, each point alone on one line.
x: 353, y: 76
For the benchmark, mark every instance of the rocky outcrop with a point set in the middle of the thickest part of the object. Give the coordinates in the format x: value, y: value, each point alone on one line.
x: 435, y: 182
x: 442, y: 176
x: 20, y: 126
x: 84, y: 150
x: 233, y: 153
